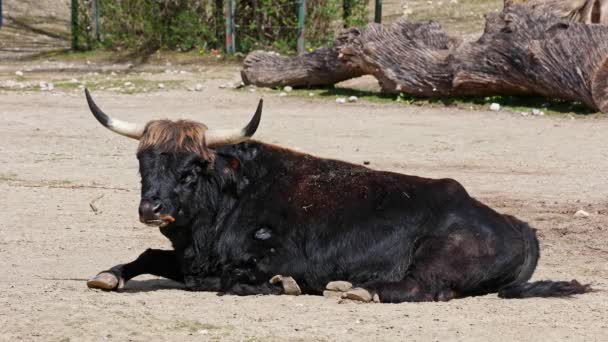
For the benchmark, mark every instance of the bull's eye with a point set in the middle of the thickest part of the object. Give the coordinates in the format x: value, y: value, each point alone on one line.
x: 188, y: 177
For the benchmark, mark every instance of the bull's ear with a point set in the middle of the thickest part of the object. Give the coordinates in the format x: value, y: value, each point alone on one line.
x: 234, y: 163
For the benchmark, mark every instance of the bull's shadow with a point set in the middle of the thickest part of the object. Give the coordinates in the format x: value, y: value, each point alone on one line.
x: 147, y: 285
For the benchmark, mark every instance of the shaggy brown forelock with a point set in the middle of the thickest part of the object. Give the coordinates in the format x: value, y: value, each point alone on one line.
x: 175, y: 137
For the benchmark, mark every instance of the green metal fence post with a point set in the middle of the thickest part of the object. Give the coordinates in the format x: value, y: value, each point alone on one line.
x: 230, y: 43
x: 346, y: 9
x: 378, y: 12
x: 96, y: 20
x: 301, y: 25
x: 74, y: 7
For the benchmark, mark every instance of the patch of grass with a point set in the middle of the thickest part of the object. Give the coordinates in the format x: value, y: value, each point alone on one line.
x: 118, y: 85
x: 158, y: 57
x: 515, y: 104
x: 8, y: 176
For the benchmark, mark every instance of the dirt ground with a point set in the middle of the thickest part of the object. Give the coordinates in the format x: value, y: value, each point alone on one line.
x: 55, y: 159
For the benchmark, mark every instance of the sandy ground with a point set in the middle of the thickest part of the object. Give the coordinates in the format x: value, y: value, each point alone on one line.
x: 55, y: 159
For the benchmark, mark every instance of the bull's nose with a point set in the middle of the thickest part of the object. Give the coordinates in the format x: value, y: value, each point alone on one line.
x: 149, y: 210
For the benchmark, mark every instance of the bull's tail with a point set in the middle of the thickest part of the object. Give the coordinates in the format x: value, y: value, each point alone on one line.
x: 521, y: 288
x: 545, y: 288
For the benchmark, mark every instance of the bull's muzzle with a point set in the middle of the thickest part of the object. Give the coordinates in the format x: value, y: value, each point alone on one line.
x: 149, y: 211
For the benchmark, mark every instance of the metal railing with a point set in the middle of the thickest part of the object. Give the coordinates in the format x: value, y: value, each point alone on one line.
x: 230, y: 22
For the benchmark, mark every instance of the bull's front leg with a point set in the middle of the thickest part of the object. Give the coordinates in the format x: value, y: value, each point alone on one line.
x: 153, y: 261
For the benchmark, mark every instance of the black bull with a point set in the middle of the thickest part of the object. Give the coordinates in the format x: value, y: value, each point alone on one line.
x: 239, y: 214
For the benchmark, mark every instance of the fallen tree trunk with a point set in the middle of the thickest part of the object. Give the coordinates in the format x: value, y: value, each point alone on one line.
x: 318, y: 68
x: 525, y: 50
x: 520, y: 53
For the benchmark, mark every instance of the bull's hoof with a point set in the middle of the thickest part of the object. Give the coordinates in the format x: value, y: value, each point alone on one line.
x: 340, y: 286
x: 106, y: 281
x: 359, y: 294
x: 290, y: 286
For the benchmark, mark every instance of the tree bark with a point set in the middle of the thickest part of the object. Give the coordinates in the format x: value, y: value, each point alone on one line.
x: 318, y: 68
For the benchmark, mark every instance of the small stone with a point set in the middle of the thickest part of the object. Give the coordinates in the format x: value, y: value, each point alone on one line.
x: 73, y: 80
x: 161, y: 86
x: 42, y: 85
x: 287, y: 89
x: 50, y: 86
x: 340, y: 285
x: 198, y: 87
x: 524, y: 114
x: 535, y: 112
x: 366, y: 162
x: 311, y: 94
x: 128, y: 84
x: 495, y: 107
x: 282, y: 94
x: 19, y: 73
x: 353, y: 99
x: 581, y: 214
x: 340, y: 100
x: 252, y: 90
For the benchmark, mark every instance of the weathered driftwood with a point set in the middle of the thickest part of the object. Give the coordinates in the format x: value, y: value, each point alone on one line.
x: 520, y: 52
x: 317, y: 68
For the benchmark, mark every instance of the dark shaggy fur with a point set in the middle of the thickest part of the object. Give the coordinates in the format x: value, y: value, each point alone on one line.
x: 247, y: 212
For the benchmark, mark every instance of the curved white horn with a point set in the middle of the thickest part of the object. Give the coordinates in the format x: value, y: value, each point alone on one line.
x: 235, y: 136
x: 128, y: 129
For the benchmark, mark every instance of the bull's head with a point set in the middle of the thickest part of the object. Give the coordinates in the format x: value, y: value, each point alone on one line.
x: 178, y: 163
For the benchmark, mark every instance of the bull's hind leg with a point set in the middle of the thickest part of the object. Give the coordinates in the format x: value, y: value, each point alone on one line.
x: 444, y: 267
x: 152, y: 261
